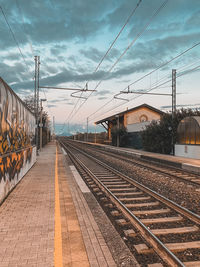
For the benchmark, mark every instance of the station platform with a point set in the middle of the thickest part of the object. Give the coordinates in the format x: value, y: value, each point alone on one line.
x: 52, y: 219
x: 189, y: 164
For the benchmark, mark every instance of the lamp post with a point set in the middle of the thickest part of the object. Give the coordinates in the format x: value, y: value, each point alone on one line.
x: 117, y: 116
x: 41, y: 125
x: 95, y: 137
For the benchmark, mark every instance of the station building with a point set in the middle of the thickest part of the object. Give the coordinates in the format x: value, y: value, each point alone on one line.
x: 134, y: 120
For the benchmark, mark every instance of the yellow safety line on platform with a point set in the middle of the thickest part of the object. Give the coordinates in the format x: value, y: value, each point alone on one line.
x: 58, y: 236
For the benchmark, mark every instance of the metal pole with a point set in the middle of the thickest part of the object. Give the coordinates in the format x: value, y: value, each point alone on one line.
x: 35, y: 83
x: 36, y: 100
x: 118, y: 131
x: 173, y: 105
x: 40, y: 125
x: 35, y: 58
x: 95, y: 137
x: 87, y: 131
x: 173, y: 92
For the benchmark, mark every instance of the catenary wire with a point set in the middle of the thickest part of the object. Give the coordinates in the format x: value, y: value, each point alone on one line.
x: 13, y: 35
x: 102, y: 59
x: 149, y: 73
x: 146, y: 26
x: 155, y: 87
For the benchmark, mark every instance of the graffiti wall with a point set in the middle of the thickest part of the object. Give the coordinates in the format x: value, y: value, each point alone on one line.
x: 17, y: 130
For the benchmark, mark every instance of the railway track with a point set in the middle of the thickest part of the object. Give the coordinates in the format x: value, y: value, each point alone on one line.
x: 182, y: 175
x: 153, y: 224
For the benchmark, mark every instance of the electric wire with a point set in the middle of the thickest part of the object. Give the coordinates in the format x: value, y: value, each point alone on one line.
x: 13, y: 35
x: 155, y: 87
x: 128, y: 19
x: 149, y: 73
x: 136, y: 38
x: 102, y: 59
x: 138, y: 35
x: 23, y: 24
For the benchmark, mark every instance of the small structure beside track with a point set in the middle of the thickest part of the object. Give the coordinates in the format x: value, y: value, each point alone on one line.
x: 188, y: 144
x: 134, y: 120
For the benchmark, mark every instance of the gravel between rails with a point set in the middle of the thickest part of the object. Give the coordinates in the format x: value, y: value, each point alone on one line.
x: 170, y: 187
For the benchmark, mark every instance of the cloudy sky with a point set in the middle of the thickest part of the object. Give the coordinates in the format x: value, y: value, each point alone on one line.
x: 72, y: 36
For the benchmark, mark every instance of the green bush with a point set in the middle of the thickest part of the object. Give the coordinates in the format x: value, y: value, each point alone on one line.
x: 160, y: 137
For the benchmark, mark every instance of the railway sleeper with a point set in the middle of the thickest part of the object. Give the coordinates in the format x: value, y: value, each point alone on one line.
x: 126, y: 199
x: 178, y: 247
x: 130, y: 233
x: 151, y: 212
x: 180, y: 230
x: 122, y: 222
x: 162, y: 220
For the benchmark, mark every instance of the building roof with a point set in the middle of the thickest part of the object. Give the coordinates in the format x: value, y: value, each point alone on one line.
x: 110, y: 118
x: 196, y: 118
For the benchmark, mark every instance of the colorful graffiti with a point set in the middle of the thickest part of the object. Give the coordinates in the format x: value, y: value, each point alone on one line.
x: 11, y: 164
x: 17, y: 129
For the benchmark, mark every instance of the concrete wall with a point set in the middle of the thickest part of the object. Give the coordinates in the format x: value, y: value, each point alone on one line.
x: 17, y: 130
x: 188, y: 151
x: 13, y: 167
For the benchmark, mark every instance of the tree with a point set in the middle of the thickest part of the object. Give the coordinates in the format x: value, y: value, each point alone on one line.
x: 121, y: 132
x: 29, y: 102
x: 161, y: 136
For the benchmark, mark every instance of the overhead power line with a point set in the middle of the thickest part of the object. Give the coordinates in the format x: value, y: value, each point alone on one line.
x: 149, y: 90
x: 149, y: 73
x: 25, y: 32
x: 132, y: 13
x: 138, y: 35
x: 14, y: 38
x: 107, y: 52
x: 135, y: 39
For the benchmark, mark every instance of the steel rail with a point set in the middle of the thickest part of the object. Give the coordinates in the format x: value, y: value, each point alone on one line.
x: 158, y: 246
x: 187, y: 213
x: 164, y: 171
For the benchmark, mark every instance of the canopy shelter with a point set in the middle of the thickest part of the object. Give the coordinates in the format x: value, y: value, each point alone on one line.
x: 188, y: 131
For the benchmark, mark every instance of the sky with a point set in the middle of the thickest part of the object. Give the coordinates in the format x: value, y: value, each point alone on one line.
x: 71, y: 37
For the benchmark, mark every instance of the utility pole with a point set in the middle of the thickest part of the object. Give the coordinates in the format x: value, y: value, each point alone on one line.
x: 173, y: 92
x: 36, y: 98
x: 41, y: 124
x: 173, y: 105
x: 95, y: 137
x: 35, y: 82
x: 53, y: 127
x: 117, y: 130
x: 87, y: 131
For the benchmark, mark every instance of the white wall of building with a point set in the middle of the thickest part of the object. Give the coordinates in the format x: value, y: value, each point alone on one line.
x: 137, y: 127
x: 189, y: 151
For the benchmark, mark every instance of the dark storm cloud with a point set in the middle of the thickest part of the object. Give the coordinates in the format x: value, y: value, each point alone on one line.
x: 69, y: 76
x: 96, y: 55
x: 12, y: 74
x: 193, y: 20
x: 53, y: 21
x: 51, y: 69
x: 93, y: 54
x: 163, y: 47
x: 58, y: 49
x: 50, y: 23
